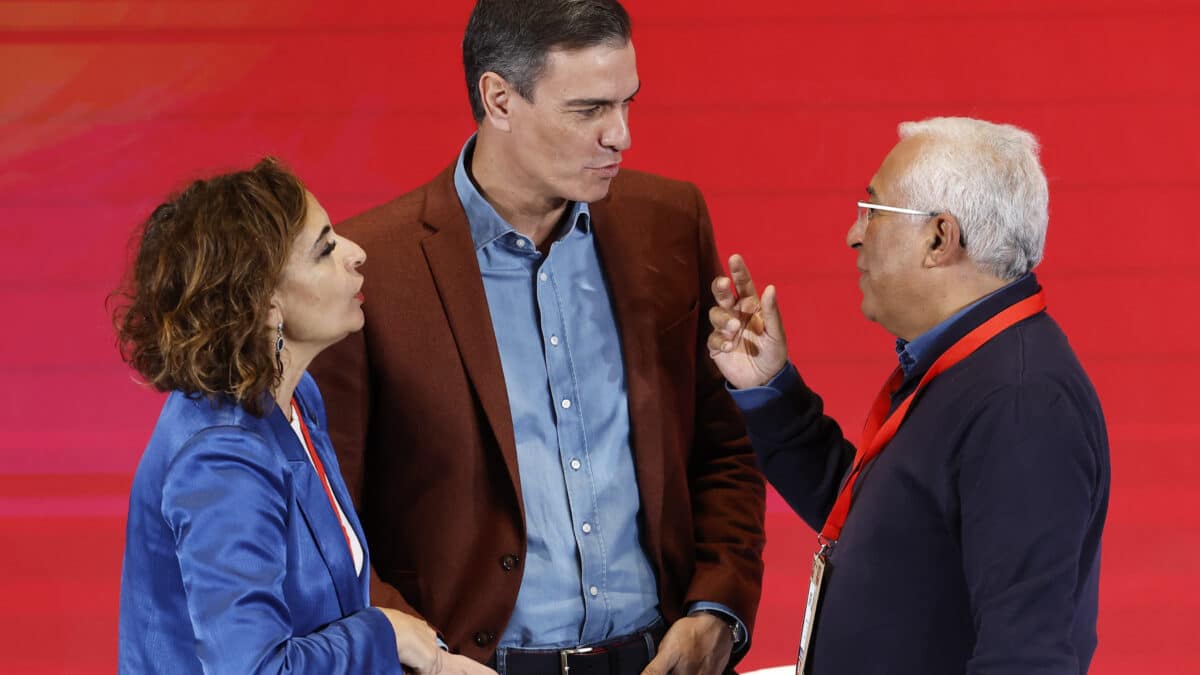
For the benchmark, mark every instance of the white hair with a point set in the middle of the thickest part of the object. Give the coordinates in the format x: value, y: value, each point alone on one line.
x: 987, y: 175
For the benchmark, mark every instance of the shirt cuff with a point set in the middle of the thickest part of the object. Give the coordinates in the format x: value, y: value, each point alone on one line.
x: 743, y: 637
x: 753, y: 398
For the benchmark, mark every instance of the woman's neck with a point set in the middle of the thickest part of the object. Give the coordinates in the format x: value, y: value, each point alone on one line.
x: 293, y: 370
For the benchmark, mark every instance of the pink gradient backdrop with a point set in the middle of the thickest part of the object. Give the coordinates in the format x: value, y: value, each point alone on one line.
x: 779, y: 110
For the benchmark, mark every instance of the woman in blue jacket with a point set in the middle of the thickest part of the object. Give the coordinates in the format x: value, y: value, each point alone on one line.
x: 243, y: 552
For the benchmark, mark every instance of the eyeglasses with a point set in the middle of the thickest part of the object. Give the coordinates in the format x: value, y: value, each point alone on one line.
x: 865, y: 209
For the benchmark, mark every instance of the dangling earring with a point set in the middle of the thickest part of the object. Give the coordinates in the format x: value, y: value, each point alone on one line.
x: 279, y: 346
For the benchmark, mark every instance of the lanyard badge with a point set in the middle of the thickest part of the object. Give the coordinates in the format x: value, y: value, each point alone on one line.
x: 816, y: 583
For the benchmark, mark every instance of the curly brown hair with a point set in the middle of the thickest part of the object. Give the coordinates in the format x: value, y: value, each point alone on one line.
x: 194, y: 308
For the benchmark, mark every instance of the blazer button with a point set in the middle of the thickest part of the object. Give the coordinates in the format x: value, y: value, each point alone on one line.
x: 483, y: 637
x: 510, y: 562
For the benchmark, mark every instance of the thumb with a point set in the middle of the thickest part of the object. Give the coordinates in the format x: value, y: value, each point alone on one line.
x: 772, y: 320
x: 662, y: 663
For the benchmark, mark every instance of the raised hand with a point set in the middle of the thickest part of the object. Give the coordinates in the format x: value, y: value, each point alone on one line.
x: 747, y: 342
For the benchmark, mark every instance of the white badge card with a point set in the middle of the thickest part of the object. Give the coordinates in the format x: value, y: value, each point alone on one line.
x: 815, y: 582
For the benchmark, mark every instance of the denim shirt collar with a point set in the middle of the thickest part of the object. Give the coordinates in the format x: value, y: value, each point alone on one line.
x: 486, y: 224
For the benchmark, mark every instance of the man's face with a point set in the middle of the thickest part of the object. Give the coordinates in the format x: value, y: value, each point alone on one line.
x: 891, y: 250
x: 567, y: 141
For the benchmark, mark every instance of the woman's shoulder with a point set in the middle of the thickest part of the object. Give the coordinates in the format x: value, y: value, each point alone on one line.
x: 196, y: 413
x: 193, y: 431
x: 188, y: 422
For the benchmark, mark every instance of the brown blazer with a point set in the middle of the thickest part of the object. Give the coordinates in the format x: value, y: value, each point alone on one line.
x: 419, y: 413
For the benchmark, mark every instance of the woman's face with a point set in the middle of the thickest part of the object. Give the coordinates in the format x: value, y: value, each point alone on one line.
x: 320, y: 297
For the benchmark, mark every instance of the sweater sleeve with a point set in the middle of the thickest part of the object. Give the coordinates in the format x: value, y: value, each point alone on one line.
x: 800, y: 449
x: 1029, y: 485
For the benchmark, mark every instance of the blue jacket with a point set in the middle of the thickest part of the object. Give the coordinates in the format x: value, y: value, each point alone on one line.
x: 973, y: 541
x: 235, y: 561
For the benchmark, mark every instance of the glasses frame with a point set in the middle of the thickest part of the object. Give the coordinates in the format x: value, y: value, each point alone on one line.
x: 895, y: 209
x: 871, y: 206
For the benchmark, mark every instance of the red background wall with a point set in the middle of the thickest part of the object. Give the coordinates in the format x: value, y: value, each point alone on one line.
x: 779, y: 110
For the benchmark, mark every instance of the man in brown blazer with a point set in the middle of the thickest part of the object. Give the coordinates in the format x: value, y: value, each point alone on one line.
x: 548, y: 467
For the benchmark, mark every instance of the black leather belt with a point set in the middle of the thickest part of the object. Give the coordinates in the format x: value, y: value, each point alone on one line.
x: 626, y: 655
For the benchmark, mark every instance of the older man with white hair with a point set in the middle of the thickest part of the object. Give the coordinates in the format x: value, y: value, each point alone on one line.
x: 963, y: 533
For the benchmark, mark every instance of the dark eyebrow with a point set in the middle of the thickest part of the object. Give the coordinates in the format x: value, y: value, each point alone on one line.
x: 590, y: 102
x: 324, y: 231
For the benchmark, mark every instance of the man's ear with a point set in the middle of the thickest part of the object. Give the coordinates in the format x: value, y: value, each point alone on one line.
x: 497, y: 96
x: 946, y: 244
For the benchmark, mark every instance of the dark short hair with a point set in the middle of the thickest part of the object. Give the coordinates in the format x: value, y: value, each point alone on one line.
x: 192, y: 314
x: 511, y: 38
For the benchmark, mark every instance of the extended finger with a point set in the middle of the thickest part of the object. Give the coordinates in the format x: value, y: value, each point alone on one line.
x: 771, y: 317
x: 741, y: 278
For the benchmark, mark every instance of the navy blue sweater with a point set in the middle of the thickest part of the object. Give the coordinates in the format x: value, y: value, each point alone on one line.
x: 973, y: 541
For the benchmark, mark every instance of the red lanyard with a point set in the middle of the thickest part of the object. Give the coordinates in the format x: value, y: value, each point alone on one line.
x: 881, y: 427
x: 316, y: 460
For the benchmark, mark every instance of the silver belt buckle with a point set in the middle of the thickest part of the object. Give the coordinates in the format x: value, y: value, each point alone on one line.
x: 565, y: 655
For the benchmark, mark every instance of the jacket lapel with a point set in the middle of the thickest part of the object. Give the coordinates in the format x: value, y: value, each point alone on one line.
x: 450, y: 253
x: 319, y: 515
x: 618, y: 240
x: 342, y: 495
x: 340, y: 492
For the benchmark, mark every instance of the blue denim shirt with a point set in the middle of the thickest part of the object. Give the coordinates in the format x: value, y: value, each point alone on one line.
x: 587, y: 578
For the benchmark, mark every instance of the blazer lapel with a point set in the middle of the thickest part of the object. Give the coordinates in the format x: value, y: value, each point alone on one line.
x: 319, y: 515
x: 342, y: 494
x: 617, y: 240
x: 450, y: 253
